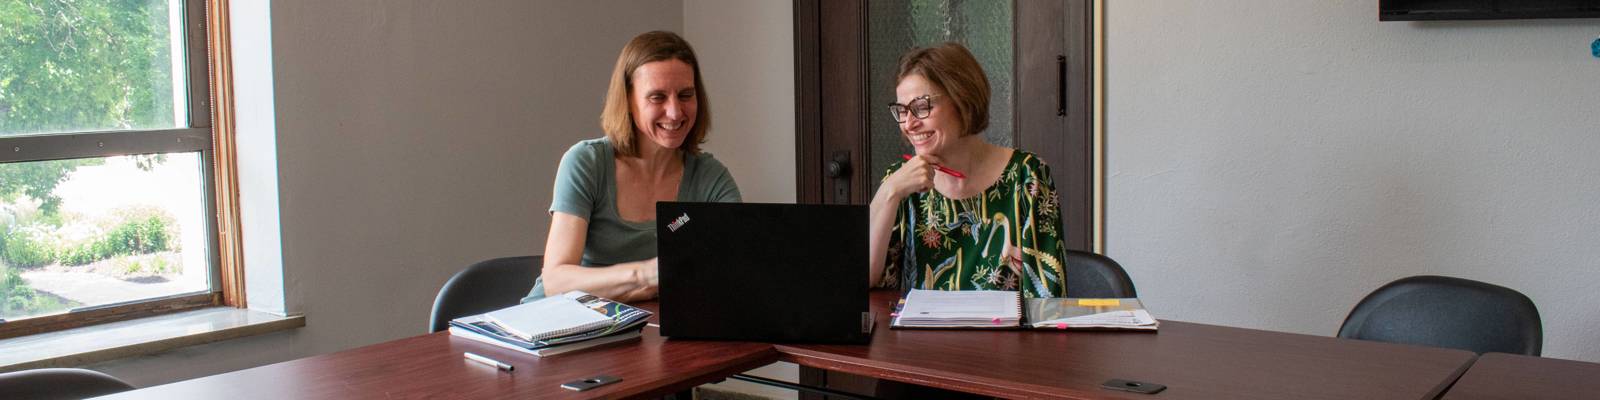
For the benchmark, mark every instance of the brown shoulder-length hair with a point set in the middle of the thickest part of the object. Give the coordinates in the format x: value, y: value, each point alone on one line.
x: 952, y: 68
x: 648, y: 47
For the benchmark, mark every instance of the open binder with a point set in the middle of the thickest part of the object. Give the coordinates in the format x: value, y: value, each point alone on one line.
x: 997, y: 309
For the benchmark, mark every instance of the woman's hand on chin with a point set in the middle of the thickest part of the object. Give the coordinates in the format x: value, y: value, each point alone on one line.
x: 915, y: 176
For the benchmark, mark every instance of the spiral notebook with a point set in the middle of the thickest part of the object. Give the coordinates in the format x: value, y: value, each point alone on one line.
x: 964, y: 309
x: 624, y: 322
x: 549, y: 317
x: 540, y: 349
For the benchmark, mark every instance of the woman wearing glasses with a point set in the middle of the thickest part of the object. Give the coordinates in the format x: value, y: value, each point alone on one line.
x: 602, y: 220
x: 961, y: 214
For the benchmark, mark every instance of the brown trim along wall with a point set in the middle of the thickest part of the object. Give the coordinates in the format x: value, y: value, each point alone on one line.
x: 230, y: 254
x: 105, y: 314
x: 1099, y: 129
x: 807, y: 102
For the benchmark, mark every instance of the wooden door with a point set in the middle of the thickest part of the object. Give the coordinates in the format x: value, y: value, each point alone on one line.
x: 1037, y: 54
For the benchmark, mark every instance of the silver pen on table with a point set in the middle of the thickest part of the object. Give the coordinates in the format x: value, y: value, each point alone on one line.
x: 489, y: 361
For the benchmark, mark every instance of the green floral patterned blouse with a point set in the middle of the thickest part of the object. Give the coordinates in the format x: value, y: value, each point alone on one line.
x: 1007, y: 238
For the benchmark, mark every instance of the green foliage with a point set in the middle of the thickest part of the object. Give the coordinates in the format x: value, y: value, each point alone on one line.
x: 25, y: 248
x: 17, y: 299
x: 80, y: 65
x: 28, y: 248
x: 160, y: 265
x: 71, y: 65
x: 15, y: 294
x: 79, y: 255
x: 156, y: 265
x: 39, y: 179
x: 138, y: 236
x: 133, y: 267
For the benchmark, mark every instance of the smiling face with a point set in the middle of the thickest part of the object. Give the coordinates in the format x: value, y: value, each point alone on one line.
x: 663, y: 103
x: 935, y: 134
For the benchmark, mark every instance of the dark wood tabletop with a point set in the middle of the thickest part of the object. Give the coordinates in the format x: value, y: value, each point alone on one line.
x: 1512, y: 376
x: 1194, y: 361
x: 432, y: 366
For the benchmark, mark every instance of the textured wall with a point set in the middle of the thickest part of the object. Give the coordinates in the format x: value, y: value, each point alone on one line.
x: 1271, y: 162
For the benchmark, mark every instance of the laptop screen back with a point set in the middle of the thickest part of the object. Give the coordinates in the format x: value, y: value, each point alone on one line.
x: 763, y: 272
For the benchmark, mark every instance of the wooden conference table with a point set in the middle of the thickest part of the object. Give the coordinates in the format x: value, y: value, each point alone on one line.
x: 1194, y: 361
x: 1511, y: 376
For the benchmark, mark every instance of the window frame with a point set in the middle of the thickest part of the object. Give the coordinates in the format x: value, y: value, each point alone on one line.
x: 209, y: 67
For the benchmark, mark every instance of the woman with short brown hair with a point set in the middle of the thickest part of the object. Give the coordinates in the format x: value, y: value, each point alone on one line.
x: 961, y: 214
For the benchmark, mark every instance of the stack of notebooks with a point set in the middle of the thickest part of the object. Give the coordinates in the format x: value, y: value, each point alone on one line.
x: 995, y: 309
x: 554, y: 325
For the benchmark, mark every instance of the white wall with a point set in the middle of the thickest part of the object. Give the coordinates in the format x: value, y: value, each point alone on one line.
x: 1271, y: 162
x: 255, y: 129
x: 413, y: 138
x: 746, y: 51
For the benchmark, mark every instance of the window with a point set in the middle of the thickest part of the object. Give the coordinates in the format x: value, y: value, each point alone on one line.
x: 107, y: 163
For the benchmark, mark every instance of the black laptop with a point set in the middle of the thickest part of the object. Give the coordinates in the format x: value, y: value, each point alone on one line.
x: 763, y: 272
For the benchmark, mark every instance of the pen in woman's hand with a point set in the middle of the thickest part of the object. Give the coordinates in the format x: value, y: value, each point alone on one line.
x: 489, y: 361
x: 941, y: 168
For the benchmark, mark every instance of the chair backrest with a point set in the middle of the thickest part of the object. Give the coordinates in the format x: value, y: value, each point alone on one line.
x: 58, y: 383
x: 486, y: 286
x: 1098, y: 276
x: 1448, y: 312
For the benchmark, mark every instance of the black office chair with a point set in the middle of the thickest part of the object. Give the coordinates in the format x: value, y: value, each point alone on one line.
x: 58, y: 383
x: 486, y: 286
x: 1448, y: 312
x: 1096, y: 276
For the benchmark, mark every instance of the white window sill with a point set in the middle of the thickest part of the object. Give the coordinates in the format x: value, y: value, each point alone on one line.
x: 92, y: 344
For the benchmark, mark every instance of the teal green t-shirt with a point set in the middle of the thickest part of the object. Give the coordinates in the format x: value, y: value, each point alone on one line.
x: 586, y: 186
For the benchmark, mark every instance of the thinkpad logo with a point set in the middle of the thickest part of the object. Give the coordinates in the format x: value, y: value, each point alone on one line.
x: 678, y: 223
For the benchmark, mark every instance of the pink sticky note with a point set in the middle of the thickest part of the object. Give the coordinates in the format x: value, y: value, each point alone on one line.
x: 996, y: 320
x: 1062, y: 325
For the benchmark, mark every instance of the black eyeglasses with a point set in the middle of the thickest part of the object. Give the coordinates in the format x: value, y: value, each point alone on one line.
x: 919, y: 107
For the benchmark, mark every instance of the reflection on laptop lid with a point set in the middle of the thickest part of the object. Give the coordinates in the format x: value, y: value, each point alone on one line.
x: 763, y: 272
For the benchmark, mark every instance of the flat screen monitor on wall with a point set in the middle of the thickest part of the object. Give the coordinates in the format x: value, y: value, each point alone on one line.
x: 1430, y: 10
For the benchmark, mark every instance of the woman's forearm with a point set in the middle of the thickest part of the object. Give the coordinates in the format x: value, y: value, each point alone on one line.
x: 621, y: 282
x: 882, y: 211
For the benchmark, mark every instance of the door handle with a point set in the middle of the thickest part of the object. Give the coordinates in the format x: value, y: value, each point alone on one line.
x: 838, y: 171
x: 1061, y: 85
x: 838, y: 168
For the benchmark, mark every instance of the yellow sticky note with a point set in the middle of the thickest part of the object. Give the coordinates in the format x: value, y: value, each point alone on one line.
x: 1099, y: 302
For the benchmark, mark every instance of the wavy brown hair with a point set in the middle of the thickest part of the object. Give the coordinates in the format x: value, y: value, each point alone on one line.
x: 953, y: 69
x: 648, y: 47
